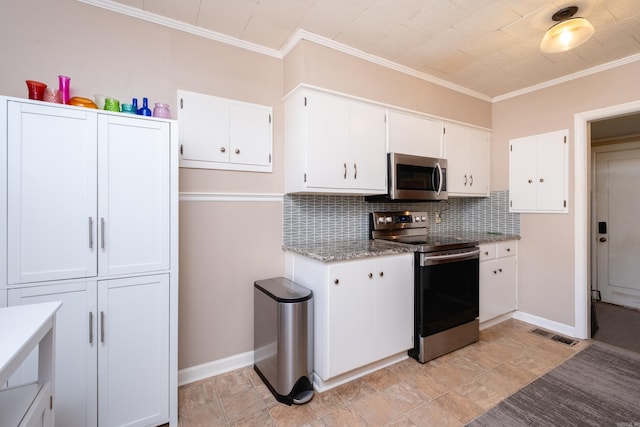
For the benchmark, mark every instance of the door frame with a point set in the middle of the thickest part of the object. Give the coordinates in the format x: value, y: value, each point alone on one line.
x: 582, y: 203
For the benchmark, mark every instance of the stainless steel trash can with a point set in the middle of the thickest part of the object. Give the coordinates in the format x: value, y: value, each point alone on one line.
x: 283, y: 338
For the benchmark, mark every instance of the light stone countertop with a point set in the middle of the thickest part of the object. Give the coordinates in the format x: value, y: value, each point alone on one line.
x: 355, y: 249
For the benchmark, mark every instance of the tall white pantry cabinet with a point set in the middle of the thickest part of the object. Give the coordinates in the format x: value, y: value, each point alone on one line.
x: 90, y: 218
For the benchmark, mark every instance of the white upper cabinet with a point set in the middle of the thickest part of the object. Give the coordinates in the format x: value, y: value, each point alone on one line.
x: 220, y: 133
x: 52, y: 184
x: 538, y: 173
x: 415, y: 135
x: 71, y: 215
x: 467, y: 152
x: 334, y: 144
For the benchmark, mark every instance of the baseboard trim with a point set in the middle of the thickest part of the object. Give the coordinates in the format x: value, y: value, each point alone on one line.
x: 551, y: 325
x: 217, y: 367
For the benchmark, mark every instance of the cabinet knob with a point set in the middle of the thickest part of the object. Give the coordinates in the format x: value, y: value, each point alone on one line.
x: 508, y: 249
x: 222, y: 149
x: 237, y: 151
x: 541, y: 179
x: 486, y: 253
x: 370, y: 275
x: 336, y: 282
x: 530, y: 181
x: 381, y: 274
x: 495, y: 272
x: 500, y: 270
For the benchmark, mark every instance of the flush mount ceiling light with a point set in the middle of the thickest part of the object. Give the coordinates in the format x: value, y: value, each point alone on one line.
x: 568, y: 33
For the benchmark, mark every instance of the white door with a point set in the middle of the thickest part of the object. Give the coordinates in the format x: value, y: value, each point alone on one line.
x: 456, y: 146
x: 75, y: 347
x: 328, y: 138
x: 417, y: 136
x: 617, y: 207
x: 204, y: 127
x: 478, y: 155
x: 367, y: 165
x: 250, y: 134
x: 133, y: 204
x: 394, y: 304
x: 351, y: 316
x: 133, y: 356
x: 51, y: 193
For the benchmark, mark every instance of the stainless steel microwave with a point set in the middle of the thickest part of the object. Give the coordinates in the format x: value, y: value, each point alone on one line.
x: 414, y: 178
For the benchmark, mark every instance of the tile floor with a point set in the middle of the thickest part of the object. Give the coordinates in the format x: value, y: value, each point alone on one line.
x: 449, y: 391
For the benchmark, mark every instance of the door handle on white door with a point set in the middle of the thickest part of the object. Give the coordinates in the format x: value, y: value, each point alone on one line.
x: 603, y: 239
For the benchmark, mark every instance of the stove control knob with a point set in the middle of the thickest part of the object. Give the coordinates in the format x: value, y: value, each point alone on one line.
x: 381, y: 220
x: 423, y: 218
x: 389, y: 220
x: 417, y: 219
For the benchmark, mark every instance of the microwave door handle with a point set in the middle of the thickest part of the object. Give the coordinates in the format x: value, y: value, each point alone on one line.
x: 439, y: 178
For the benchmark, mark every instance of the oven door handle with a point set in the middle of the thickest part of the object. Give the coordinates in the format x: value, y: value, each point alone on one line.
x: 426, y: 259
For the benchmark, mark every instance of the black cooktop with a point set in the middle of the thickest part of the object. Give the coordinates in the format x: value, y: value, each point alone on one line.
x: 433, y: 243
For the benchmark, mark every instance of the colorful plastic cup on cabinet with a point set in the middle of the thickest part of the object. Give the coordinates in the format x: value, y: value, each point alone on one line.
x: 63, y: 82
x: 128, y: 108
x: 36, y: 89
x: 111, y: 104
x: 162, y: 110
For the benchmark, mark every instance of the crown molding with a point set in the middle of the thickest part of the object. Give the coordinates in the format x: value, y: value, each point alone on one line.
x: 312, y: 37
x: 564, y: 79
x: 181, y: 26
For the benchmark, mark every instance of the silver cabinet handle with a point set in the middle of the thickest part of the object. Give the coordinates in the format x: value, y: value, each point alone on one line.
x: 222, y: 149
x: 91, y: 327
x: 102, y: 326
x: 355, y: 171
x: 345, y: 170
x: 237, y: 151
x: 90, y: 233
x: 471, y: 184
x: 465, y: 180
x: 102, y: 233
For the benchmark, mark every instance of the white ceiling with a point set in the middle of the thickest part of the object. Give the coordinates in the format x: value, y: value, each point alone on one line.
x: 487, y: 46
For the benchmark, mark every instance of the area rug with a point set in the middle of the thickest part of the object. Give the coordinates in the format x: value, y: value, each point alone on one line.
x: 600, y: 386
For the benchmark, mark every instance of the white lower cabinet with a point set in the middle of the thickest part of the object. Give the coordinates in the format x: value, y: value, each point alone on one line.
x: 363, y: 310
x: 498, y: 279
x: 112, y: 350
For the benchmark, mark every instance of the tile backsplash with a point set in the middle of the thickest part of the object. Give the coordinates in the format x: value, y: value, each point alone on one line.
x: 314, y: 218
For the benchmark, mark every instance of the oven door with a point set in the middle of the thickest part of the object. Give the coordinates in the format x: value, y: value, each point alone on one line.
x: 446, y: 290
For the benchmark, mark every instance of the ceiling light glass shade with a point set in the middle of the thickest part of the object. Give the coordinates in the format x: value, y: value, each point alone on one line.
x: 566, y: 35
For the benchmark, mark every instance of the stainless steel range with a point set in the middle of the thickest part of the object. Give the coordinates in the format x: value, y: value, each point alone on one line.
x: 446, y: 282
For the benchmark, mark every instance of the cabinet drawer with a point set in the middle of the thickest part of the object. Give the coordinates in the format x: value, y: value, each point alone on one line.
x: 487, y: 252
x: 505, y: 249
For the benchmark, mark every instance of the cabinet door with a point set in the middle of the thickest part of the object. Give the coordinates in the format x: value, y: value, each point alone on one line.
x: 351, y: 318
x: 457, y: 159
x: 204, y: 128
x: 394, y: 304
x: 134, y: 186
x: 133, y: 357
x: 51, y: 193
x: 327, y: 139
x: 478, y: 163
x: 75, y: 346
x: 367, y: 163
x: 250, y: 134
x: 417, y: 136
x: 497, y: 287
x: 551, y: 164
x: 523, y: 154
